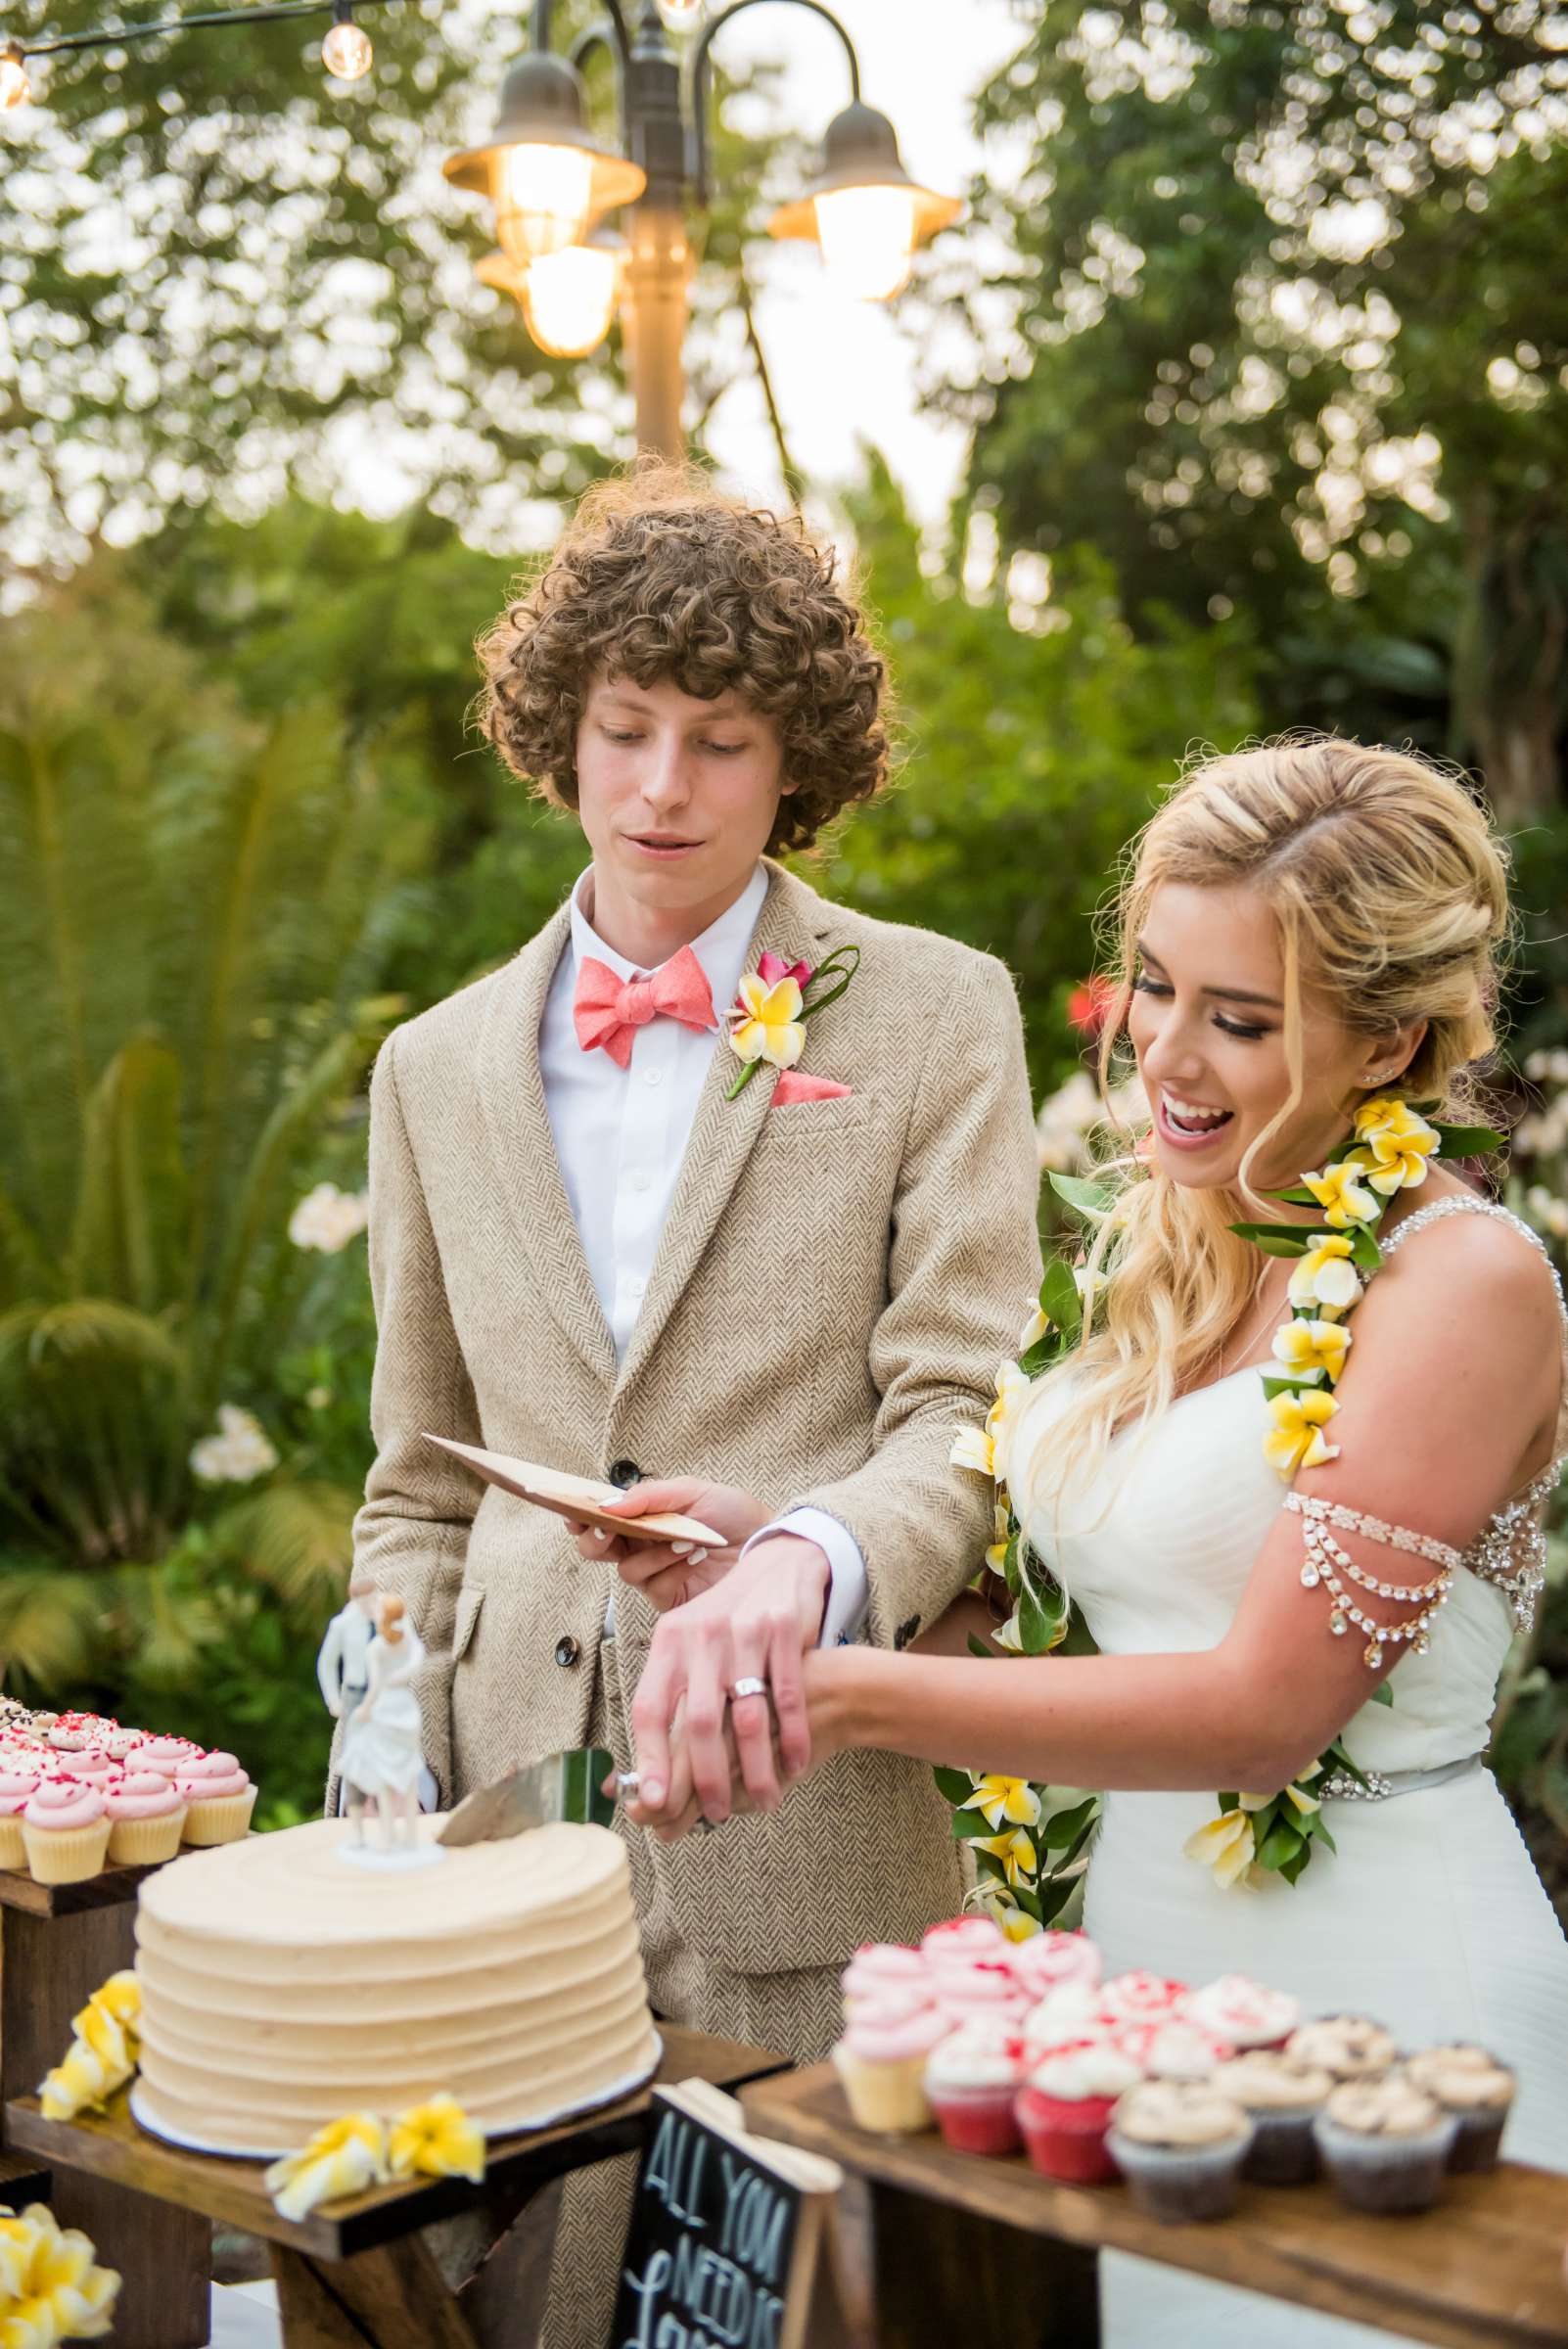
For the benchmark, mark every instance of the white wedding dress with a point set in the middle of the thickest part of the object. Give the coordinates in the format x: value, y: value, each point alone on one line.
x: 1430, y: 1916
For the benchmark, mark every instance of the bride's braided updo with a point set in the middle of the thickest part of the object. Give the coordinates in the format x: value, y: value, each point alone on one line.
x: 1391, y: 892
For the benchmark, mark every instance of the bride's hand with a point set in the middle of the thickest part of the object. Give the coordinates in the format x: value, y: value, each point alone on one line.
x: 669, y: 1573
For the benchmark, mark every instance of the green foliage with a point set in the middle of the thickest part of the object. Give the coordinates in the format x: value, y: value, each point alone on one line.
x: 1288, y: 348
x: 196, y: 901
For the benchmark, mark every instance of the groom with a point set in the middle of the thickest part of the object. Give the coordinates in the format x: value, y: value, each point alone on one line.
x: 587, y: 1249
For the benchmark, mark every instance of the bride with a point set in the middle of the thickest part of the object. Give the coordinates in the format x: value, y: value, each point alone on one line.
x: 1306, y: 926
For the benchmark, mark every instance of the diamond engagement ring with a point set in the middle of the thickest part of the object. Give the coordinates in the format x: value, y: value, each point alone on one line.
x: 749, y: 1688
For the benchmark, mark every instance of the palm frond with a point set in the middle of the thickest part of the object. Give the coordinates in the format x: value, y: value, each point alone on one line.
x: 294, y: 1538
x: 129, y: 1232
x: 79, y: 1333
x: 50, y: 1621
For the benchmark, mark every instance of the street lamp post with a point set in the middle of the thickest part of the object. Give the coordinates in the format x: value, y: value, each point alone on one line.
x: 864, y: 209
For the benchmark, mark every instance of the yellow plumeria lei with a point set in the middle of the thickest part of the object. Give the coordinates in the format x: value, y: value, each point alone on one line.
x: 1389, y: 1150
x: 102, y: 2056
x: 359, y: 2150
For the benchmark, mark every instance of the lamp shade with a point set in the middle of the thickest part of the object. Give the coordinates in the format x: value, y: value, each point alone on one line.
x: 546, y: 175
x: 864, y: 210
x: 568, y: 297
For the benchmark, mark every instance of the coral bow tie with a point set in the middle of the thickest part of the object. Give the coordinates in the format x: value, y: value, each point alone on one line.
x: 608, y: 1010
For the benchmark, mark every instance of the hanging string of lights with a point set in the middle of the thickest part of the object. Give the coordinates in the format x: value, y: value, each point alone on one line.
x: 346, y: 51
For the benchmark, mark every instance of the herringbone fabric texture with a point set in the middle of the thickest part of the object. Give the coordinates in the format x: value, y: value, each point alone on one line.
x: 836, y: 1283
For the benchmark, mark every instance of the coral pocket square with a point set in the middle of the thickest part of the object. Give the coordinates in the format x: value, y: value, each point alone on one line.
x: 793, y: 1086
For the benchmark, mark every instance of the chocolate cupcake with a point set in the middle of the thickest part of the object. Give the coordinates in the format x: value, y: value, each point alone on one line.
x: 1385, y: 2143
x: 1350, y: 2046
x: 1281, y: 2099
x: 1179, y: 2144
x: 1474, y: 2087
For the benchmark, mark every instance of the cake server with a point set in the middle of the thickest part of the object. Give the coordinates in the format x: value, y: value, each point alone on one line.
x: 563, y: 1786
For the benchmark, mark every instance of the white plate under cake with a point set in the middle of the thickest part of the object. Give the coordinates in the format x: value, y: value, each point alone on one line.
x: 282, y: 1988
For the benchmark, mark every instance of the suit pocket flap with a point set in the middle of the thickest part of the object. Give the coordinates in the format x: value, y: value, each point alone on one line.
x: 470, y: 1599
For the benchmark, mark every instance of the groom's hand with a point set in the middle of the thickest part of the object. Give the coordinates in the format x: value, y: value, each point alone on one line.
x: 672, y: 1573
x: 756, y: 1624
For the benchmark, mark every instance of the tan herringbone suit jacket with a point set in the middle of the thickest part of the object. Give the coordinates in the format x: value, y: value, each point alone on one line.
x: 836, y: 1283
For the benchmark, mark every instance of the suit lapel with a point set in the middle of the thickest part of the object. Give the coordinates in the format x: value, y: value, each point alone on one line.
x: 518, y: 1126
x: 793, y: 924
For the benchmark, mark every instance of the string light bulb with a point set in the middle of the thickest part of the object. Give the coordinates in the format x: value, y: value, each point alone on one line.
x: 15, y: 87
x: 346, y: 51
x: 681, y: 15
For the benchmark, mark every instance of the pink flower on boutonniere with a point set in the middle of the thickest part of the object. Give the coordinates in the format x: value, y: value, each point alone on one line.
x: 776, y: 999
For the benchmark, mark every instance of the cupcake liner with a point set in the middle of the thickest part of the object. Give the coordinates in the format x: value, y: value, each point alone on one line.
x: 1283, y: 2150
x: 143, y: 1842
x: 1177, y: 2183
x: 1478, y: 2138
x: 218, y: 1817
x: 1378, y: 2172
x: 888, y: 2097
x: 12, y: 1850
x: 977, y: 2120
x: 1067, y: 2141
x: 66, y: 1855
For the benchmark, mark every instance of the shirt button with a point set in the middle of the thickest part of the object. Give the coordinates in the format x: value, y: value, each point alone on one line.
x: 653, y: 1076
x: 642, y: 1183
x: 567, y: 1651
x: 636, y: 1286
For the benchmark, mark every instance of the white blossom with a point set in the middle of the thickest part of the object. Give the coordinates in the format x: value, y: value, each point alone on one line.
x: 238, y: 1453
x: 329, y: 1218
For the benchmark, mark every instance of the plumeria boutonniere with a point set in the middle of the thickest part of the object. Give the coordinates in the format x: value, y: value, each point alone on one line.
x: 776, y: 999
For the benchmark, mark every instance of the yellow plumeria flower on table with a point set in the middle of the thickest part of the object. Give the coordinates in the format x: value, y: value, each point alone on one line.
x: 768, y: 1022
x: 61, y: 2293
x: 437, y: 2140
x: 1326, y: 1277
x: 1401, y: 1144
x: 1227, y: 1846
x: 997, y: 1799
x: 1014, y: 1852
x: 346, y: 2157
x: 1303, y: 1347
x: 82, y: 2082
x: 1295, y: 1439
x: 1341, y: 1191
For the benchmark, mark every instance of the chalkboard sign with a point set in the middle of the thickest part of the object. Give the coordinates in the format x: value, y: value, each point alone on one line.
x: 724, y: 2228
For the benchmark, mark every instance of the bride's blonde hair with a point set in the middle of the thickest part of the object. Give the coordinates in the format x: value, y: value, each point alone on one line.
x: 1391, y: 892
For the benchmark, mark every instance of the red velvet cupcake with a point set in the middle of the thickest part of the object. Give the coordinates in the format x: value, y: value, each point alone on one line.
x: 1064, y: 2110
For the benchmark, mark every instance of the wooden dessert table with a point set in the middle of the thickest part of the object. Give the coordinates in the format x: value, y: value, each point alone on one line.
x: 989, y: 2253
x: 58, y: 1944
x: 435, y: 2264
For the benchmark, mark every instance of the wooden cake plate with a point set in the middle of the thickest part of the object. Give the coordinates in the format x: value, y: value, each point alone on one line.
x: 433, y: 2264
x: 59, y: 1943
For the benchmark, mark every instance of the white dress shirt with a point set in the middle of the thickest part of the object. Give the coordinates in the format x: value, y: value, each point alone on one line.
x: 620, y: 1136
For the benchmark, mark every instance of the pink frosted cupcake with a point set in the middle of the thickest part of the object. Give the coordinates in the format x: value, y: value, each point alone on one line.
x: 65, y: 1831
x: 1064, y: 2110
x: 1048, y: 1960
x: 971, y: 2079
x: 980, y: 1988
x: 166, y: 1755
x: 881, y: 2060
x: 1244, y: 2014
x: 146, y: 1818
x: 89, y: 1766
x: 16, y: 1784
x: 1176, y: 2050
x: 1064, y: 2018
x: 962, y: 1939
x: 1141, y: 1997
x: 885, y: 1969
x: 220, y: 1798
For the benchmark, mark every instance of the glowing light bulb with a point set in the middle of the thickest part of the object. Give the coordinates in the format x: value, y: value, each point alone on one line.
x: 541, y: 200
x: 867, y: 237
x: 15, y: 87
x: 680, y: 14
x: 346, y: 51
x: 568, y: 298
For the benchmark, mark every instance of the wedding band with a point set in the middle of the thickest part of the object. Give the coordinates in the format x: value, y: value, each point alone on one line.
x: 749, y: 1688
x: 627, y: 1782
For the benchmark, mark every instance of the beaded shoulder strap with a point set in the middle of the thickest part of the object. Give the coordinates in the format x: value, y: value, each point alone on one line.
x: 1511, y: 1550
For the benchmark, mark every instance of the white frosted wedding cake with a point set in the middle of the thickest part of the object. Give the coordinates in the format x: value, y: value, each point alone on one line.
x: 282, y: 1988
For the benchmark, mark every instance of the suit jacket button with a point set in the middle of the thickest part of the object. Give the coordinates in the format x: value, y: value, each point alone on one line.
x: 907, y: 1631
x: 567, y: 1651
x: 625, y: 1473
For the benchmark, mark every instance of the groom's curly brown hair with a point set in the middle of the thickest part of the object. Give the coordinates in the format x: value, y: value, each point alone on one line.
x: 659, y: 576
